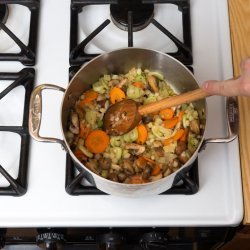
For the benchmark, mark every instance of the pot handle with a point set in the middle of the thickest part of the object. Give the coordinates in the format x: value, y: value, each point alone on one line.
x: 35, y: 113
x: 232, y: 112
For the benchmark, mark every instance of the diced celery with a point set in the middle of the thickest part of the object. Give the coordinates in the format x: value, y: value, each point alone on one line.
x: 131, y: 136
x: 115, y: 141
x: 134, y: 92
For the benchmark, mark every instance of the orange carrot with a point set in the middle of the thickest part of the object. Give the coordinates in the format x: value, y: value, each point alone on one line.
x: 168, y: 141
x: 178, y: 134
x: 180, y: 115
x: 156, y: 170
x: 138, y: 84
x: 84, y: 131
x: 136, y: 179
x: 167, y: 113
x: 89, y: 96
x: 116, y: 95
x: 79, y: 154
x: 140, y: 162
x: 184, y: 136
x: 142, y: 134
x: 149, y: 160
x: 97, y: 141
x: 170, y: 123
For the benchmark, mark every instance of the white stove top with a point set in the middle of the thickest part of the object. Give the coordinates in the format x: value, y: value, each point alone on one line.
x: 46, y: 203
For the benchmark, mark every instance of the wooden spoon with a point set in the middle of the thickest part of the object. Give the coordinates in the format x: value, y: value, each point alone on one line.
x: 125, y: 115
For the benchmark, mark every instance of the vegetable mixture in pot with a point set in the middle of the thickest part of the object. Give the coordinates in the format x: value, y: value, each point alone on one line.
x: 157, y: 147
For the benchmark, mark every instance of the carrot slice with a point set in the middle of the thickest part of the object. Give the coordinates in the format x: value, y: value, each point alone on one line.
x: 178, y: 134
x: 149, y: 160
x: 156, y: 170
x: 116, y: 95
x: 138, y: 84
x: 180, y: 115
x: 80, y: 155
x: 170, y: 123
x: 185, y: 135
x: 142, y: 134
x: 136, y: 179
x: 168, y: 141
x: 89, y: 96
x: 166, y: 113
x: 84, y: 131
x: 97, y: 141
x: 140, y: 162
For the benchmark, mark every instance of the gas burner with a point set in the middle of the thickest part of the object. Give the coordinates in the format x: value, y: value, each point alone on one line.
x: 19, y: 30
x: 168, y: 22
x: 139, y: 16
x: 4, y: 11
x: 16, y: 185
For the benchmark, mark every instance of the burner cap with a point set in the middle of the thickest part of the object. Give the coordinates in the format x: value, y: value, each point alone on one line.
x: 142, y: 15
x: 3, y: 13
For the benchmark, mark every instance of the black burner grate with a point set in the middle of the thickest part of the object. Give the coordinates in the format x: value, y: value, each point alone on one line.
x: 27, y: 55
x: 25, y: 78
x: 78, y: 55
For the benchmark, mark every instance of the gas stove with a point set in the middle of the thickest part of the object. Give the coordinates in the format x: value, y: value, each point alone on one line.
x: 47, y: 42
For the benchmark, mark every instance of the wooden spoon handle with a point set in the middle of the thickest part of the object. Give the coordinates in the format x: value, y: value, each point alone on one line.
x: 173, y: 101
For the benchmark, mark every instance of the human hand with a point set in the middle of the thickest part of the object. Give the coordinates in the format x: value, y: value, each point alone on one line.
x: 232, y: 87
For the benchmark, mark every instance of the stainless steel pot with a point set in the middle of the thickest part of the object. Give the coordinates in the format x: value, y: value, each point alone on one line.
x: 121, y: 61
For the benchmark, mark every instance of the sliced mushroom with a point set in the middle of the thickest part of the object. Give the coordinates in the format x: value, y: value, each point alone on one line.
x: 184, y: 156
x: 152, y: 83
x: 92, y: 165
x: 195, y: 126
x: 104, y: 163
x: 156, y: 178
x: 181, y: 146
x: 122, y: 83
x: 135, y: 149
x: 175, y: 164
x: 167, y: 172
x: 147, y: 119
x: 159, y: 151
x: 74, y: 124
x: 114, y: 82
x: 128, y: 167
x: 69, y: 137
x: 113, y: 177
x: 157, y: 144
x: 146, y: 172
x: 121, y: 177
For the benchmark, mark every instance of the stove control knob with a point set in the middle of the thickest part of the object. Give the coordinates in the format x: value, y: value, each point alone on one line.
x: 2, y: 237
x: 154, y: 240
x: 111, y: 241
x: 50, y: 239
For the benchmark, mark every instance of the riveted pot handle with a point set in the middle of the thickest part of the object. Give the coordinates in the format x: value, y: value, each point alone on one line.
x: 232, y: 112
x: 35, y: 113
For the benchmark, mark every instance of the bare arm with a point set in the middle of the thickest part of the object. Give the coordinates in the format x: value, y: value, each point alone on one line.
x: 231, y: 87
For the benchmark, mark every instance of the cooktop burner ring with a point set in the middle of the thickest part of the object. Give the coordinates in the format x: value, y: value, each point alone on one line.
x: 4, y: 12
x: 142, y: 16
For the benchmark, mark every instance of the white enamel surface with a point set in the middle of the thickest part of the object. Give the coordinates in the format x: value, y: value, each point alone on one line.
x: 18, y: 22
x: 219, y: 199
x: 165, y: 14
